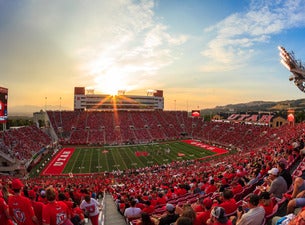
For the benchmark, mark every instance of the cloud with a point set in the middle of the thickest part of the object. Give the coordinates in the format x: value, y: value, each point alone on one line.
x: 137, y: 49
x: 236, y: 35
x: 98, y: 40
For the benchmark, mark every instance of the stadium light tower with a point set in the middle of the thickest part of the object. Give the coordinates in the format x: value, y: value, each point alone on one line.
x: 150, y: 92
x: 296, y: 67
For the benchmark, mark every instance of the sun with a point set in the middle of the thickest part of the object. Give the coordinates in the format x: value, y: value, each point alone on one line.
x: 110, y: 85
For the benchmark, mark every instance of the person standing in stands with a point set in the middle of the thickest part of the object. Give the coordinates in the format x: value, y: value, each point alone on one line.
x: 91, y: 208
x: 20, y: 207
x: 55, y: 212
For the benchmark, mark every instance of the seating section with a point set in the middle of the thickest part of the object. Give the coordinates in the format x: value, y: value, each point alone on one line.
x: 121, y: 127
x: 125, y: 127
x: 22, y: 143
x: 180, y: 182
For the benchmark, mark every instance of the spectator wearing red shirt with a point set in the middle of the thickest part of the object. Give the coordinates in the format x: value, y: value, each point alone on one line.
x: 211, y: 188
x: 55, y: 212
x: 266, y: 202
x: 237, y: 186
x: 228, y: 202
x: 153, y: 201
x: 20, y: 207
x: 180, y: 190
x: 170, y: 193
x: 264, y: 170
x: 42, y: 197
x: 4, y: 212
x: 77, y: 195
x: 148, y: 207
x: 77, y: 213
x: 204, y: 185
x: 229, y: 174
x: 37, y: 206
x: 161, y: 199
x: 62, y: 197
x: 203, y: 216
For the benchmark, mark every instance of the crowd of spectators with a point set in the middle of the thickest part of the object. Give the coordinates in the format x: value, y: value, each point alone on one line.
x: 220, y: 179
x: 185, y: 189
x: 22, y: 143
x: 48, y: 201
x: 121, y: 127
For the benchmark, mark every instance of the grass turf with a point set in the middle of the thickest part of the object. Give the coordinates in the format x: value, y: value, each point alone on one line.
x: 107, y: 159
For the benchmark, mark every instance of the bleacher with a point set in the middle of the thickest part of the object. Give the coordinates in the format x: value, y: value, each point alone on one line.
x: 255, y: 143
x: 22, y: 143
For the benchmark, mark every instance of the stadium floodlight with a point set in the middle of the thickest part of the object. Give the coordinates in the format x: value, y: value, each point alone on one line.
x: 296, y: 67
x: 285, y: 64
x: 150, y: 92
x: 121, y: 92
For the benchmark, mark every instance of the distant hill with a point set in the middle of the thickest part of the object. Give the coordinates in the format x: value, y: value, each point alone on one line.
x: 28, y: 110
x: 257, y: 106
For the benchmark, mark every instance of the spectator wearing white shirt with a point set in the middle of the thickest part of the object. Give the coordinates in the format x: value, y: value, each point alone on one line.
x: 132, y: 212
x: 91, y: 208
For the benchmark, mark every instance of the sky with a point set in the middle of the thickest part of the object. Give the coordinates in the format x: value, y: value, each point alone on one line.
x: 201, y: 53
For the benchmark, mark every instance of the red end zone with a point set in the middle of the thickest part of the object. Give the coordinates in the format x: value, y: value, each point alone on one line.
x: 218, y: 151
x: 58, y: 163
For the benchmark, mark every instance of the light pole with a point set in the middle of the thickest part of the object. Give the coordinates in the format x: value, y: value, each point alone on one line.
x: 45, y: 103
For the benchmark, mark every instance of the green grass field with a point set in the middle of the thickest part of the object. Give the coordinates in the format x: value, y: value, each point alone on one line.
x: 102, y: 159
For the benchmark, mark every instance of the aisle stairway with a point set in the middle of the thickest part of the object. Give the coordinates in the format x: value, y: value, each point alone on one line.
x: 111, y: 214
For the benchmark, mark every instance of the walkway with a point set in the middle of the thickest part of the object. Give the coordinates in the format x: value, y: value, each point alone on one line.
x: 111, y: 214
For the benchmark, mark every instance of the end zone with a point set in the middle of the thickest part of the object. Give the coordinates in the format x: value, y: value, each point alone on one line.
x: 58, y: 163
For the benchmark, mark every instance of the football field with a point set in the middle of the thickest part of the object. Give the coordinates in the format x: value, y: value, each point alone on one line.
x: 84, y: 160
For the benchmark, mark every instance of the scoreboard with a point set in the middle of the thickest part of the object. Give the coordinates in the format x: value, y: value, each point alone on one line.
x: 3, y: 104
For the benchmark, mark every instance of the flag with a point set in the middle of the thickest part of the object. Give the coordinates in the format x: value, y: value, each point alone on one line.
x: 180, y: 154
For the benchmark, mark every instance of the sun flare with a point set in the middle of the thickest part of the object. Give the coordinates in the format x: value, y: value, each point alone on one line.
x: 111, y: 85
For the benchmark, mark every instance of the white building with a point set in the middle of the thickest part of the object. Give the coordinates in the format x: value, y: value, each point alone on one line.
x: 154, y: 100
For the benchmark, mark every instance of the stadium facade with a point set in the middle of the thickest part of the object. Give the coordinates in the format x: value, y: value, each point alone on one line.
x: 87, y: 100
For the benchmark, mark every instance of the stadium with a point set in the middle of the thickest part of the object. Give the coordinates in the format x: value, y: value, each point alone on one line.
x: 152, y: 112
x: 124, y: 147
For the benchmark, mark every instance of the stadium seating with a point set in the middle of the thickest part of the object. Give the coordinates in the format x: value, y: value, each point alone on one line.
x: 22, y: 143
x: 257, y: 145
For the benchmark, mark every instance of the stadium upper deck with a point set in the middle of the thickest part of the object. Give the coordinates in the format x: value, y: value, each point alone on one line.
x: 132, y: 127
x: 121, y: 127
x: 154, y: 100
